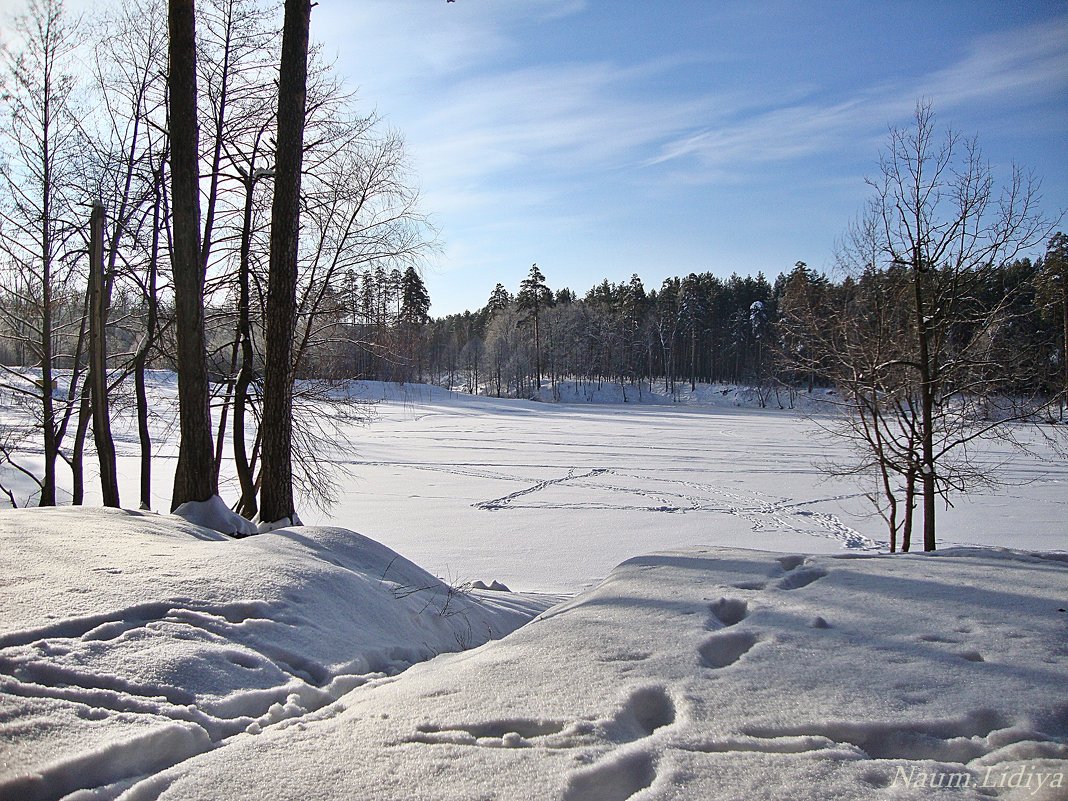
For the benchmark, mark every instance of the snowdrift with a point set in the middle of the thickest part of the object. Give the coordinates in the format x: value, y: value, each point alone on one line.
x: 130, y: 641
x: 709, y: 674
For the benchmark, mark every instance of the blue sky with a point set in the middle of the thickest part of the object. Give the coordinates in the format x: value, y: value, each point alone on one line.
x: 600, y: 138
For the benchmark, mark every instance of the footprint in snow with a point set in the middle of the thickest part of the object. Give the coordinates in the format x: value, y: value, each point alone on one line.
x: 629, y: 771
x: 794, y: 573
x: 724, y: 649
x: 727, y: 612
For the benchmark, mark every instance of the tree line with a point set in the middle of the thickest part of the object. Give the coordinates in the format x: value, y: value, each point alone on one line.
x: 702, y: 329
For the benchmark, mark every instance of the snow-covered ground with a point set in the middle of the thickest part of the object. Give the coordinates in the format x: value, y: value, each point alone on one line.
x: 550, y: 497
x: 709, y: 674
x: 130, y: 641
x: 144, y: 657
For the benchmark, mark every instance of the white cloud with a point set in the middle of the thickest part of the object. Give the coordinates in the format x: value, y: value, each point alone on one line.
x: 1001, y: 67
x: 997, y: 70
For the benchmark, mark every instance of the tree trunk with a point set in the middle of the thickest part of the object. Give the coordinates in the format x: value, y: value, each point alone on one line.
x: 276, y: 495
x: 246, y: 506
x: 910, y: 504
x: 195, y: 478
x: 141, y: 361
x: 143, y: 433
x: 927, y: 462
x: 48, y: 413
x: 693, y: 360
x: 1064, y: 311
x: 77, y: 462
x: 98, y: 370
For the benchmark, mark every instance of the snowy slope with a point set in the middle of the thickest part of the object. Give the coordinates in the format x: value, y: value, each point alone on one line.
x: 130, y: 641
x: 709, y: 674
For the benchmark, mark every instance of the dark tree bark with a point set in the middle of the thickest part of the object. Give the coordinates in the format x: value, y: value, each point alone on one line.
x: 98, y: 371
x: 276, y: 495
x: 247, y: 505
x: 77, y: 463
x: 195, y: 478
x: 141, y: 359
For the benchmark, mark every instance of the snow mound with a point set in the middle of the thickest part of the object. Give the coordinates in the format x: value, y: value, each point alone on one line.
x: 699, y: 674
x: 494, y: 585
x: 216, y: 515
x: 130, y: 641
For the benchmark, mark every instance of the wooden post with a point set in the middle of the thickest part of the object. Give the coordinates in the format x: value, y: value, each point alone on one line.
x: 98, y: 372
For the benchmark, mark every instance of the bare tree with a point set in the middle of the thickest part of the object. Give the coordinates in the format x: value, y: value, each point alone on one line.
x: 127, y: 153
x: 276, y: 496
x: 928, y: 359
x: 39, y: 231
x: 195, y: 477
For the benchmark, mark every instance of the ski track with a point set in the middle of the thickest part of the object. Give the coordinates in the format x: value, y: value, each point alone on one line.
x: 765, y: 513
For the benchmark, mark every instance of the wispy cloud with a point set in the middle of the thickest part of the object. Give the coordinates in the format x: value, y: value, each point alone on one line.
x: 402, y: 49
x: 1032, y: 60
x: 996, y: 71
x: 552, y: 117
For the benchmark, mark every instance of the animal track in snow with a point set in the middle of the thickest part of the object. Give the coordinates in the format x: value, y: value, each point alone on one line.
x: 615, y: 779
x: 510, y: 733
x: 795, y: 580
x: 629, y: 770
x: 638, y: 490
x: 724, y: 649
x: 794, y: 574
x: 646, y: 710
x: 750, y: 585
x: 505, y: 500
x: 788, y: 563
x: 624, y: 656
x: 940, y: 638
x: 727, y: 612
x: 960, y: 740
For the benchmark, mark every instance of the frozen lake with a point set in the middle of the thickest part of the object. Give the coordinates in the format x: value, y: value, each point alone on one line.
x: 552, y: 497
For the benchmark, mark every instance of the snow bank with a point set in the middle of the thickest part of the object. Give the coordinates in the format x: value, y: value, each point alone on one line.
x: 130, y: 641
x: 216, y: 515
x: 709, y: 673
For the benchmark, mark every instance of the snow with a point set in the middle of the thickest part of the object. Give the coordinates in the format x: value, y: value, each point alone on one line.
x: 129, y: 640
x: 703, y: 673
x: 552, y: 496
x: 216, y: 515
x: 737, y: 631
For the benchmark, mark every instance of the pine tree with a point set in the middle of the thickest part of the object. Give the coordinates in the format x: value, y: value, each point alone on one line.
x: 534, y: 296
x: 415, y: 300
